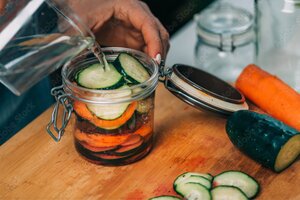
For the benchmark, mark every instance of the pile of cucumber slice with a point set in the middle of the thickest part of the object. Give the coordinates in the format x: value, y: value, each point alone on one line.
x: 228, y: 185
x: 126, y: 69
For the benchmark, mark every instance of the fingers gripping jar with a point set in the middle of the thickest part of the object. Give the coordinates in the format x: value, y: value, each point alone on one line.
x: 125, y: 135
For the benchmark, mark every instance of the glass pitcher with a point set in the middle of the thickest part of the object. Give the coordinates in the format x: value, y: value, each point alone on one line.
x: 37, y: 37
x: 278, y: 40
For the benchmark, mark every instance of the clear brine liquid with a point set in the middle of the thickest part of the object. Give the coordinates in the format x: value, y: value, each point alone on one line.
x: 96, y: 49
x: 26, y: 60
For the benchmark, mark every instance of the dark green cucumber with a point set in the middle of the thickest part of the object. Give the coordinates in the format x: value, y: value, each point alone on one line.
x: 241, y: 180
x: 227, y: 193
x: 264, y: 139
x: 96, y: 77
x: 132, y: 69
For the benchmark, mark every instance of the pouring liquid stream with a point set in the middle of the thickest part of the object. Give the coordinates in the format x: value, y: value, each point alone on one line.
x: 96, y: 49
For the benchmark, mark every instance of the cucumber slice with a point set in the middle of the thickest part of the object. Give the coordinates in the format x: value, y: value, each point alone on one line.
x: 131, y: 68
x: 240, y: 180
x: 192, y: 178
x: 165, y: 198
x: 112, y: 111
x: 95, y: 77
x: 288, y: 153
x: 188, y: 174
x: 228, y: 193
x: 193, y: 191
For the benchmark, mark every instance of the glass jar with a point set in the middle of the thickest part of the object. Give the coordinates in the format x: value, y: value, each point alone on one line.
x: 129, y: 136
x: 119, y: 141
x: 225, y: 40
x: 278, y: 44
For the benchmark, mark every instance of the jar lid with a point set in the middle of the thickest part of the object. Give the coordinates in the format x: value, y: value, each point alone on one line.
x: 223, y: 25
x: 204, y: 91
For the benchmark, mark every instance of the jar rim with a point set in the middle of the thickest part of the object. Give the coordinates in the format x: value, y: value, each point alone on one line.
x: 100, y: 96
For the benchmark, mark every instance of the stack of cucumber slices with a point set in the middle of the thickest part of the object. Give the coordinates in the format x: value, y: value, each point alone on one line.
x: 125, y: 71
x: 229, y: 185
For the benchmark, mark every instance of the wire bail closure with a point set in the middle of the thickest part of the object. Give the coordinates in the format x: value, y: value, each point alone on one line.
x: 61, y: 99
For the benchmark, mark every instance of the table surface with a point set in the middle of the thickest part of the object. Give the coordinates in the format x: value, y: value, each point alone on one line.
x: 33, y: 166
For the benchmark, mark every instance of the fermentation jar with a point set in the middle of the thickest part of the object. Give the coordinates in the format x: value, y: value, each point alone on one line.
x: 119, y: 141
x: 129, y: 136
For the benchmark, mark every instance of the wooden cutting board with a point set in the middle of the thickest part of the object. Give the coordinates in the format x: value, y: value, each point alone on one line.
x: 33, y: 166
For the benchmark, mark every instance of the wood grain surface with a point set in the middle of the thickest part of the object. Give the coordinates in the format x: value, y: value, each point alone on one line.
x: 33, y: 166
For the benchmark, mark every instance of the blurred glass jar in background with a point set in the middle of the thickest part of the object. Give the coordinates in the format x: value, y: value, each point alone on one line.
x: 278, y: 39
x: 226, y: 41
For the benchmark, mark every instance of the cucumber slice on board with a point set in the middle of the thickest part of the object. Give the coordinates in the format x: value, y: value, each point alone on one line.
x: 227, y: 193
x: 238, y: 179
x: 131, y: 68
x: 112, y: 111
x: 165, y: 198
x: 189, y: 174
x: 191, y: 177
x: 95, y: 77
x: 265, y: 139
x: 193, y: 191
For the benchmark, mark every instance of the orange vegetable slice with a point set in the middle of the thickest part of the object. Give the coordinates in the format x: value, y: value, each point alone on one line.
x: 99, y: 140
x: 82, y: 110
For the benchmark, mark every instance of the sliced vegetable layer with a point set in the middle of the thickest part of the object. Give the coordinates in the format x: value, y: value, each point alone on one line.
x: 83, y: 111
x: 131, y: 68
x: 229, y: 185
x: 190, y: 177
x: 96, y: 77
x: 241, y: 180
x: 264, y: 139
x: 165, y: 198
x: 193, y: 191
x: 227, y: 193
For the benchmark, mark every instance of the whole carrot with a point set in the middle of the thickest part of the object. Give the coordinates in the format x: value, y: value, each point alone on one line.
x: 270, y: 94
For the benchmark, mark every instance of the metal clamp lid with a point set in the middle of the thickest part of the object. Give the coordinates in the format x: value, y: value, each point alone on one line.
x: 61, y: 99
x: 203, y: 90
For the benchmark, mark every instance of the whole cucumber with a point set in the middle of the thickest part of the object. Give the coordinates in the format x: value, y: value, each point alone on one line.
x: 264, y: 139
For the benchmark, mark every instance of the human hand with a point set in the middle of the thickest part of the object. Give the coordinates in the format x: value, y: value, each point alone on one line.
x: 127, y: 23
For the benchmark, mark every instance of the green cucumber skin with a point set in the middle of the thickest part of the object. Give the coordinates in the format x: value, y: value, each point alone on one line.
x: 224, y: 186
x: 258, y: 189
x: 259, y: 136
x: 120, y: 69
x: 119, y: 84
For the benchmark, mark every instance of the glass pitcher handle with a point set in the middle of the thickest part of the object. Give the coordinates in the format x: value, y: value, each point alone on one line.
x: 61, y: 99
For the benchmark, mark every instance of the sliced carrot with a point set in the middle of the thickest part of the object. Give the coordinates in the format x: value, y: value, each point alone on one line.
x: 100, y: 140
x: 270, y: 94
x: 145, y: 129
x: 97, y: 149
x: 133, y: 139
x: 82, y: 110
